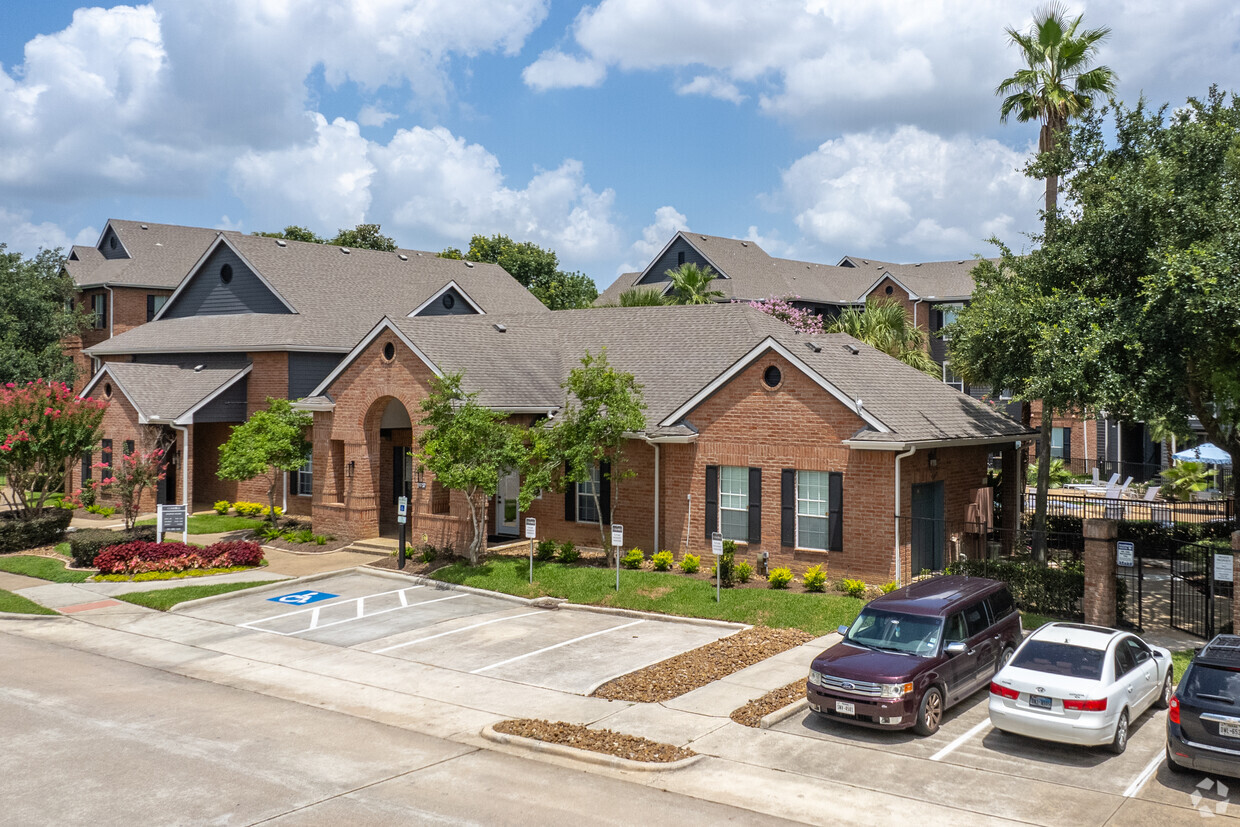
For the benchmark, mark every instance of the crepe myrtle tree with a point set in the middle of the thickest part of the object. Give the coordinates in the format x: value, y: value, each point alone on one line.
x: 468, y: 447
x: 127, y: 480
x: 604, y: 408
x: 43, y: 428
x: 271, y: 441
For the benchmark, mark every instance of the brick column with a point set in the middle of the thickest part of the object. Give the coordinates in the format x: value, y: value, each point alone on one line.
x: 1013, y: 488
x: 1100, y: 571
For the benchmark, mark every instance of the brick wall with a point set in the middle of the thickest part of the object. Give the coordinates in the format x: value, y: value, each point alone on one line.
x: 128, y: 311
x: 268, y: 378
x: 1084, y: 454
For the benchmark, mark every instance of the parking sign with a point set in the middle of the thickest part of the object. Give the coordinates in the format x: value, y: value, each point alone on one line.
x: 531, y: 529
x: 617, y: 534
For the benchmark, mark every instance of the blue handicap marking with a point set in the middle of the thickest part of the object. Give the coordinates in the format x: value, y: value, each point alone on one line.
x: 301, y: 598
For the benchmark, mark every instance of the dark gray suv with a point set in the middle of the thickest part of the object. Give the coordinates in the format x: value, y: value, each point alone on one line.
x: 1203, y: 727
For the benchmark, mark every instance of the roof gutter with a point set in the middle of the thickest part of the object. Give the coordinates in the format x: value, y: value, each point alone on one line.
x: 868, y: 445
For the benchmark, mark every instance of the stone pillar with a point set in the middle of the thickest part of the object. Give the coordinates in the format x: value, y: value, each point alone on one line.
x: 1100, y: 571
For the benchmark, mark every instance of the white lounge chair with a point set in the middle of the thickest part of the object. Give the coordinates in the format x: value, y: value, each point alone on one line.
x: 1151, y: 493
x: 1124, y: 489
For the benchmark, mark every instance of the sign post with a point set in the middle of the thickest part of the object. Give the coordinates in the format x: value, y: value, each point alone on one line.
x: 402, y: 516
x: 617, y: 540
x: 716, y: 546
x: 170, y: 519
x: 531, y: 531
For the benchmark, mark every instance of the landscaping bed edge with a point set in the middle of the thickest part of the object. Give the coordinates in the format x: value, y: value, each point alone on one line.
x: 584, y: 755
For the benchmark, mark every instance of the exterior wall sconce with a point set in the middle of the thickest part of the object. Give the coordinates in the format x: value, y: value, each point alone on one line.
x: 348, y: 469
x: 933, y: 455
x: 421, y: 484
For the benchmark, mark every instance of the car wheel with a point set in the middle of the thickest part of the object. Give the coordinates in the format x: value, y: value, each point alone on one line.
x: 930, y: 714
x: 1164, y: 697
x: 1120, y: 741
x: 1004, y: 657
x: 1174, y: 767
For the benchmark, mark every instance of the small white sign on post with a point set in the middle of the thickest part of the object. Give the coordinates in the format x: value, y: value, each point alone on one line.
x: 617, y: 535
x: 1124, y: 553
x: 402, y: 510
x: 531, y: 528
x: 1223, y: 568
x: 716, y: 543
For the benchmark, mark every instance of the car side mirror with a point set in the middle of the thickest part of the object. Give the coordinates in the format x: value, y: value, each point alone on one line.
x: 843, y: 630
x: 956, y: 647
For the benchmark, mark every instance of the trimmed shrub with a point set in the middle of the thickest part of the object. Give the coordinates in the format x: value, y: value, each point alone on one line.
x: 888, y: 588
x: 270, y: 532
x: 852, y: 587
x: 1042, y: 589
x: 727, y: 562
x: 780, y: 578
x: 248, y: 509
x: 569, y: 553
x: 221, y: 507
x: 744, y: 572
x: 139, y: 557
x: 545, y: 550
x: 634, y: 559
x: 323, y: 539
x: 86, y: 544
x: 815, y: 579
x: 44, y: 530
x: 690, y: 563
x: 265, y: 511
x: 101, y: 510
x: 662, y: 561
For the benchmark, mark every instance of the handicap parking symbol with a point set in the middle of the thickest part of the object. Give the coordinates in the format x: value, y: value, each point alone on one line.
x: 301, y: 598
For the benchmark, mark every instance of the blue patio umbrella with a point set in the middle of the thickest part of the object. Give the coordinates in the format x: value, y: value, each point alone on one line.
x: 1208, y: 453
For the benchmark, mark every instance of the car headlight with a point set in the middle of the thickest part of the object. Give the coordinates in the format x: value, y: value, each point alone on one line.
x: 895, y: 690
x: 815, y: 677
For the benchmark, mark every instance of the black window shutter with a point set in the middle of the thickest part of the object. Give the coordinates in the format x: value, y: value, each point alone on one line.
x: 712, y: 500
x: 106, y: 457
x: 150, y: 307
x: 788, y: 507
x: 835, y: 510
x: 755, y: 505
x: 604, y: 491
x: 398, y: 472
x: 128, y: 447
x: 87, y: 459
x: 570, y: 500
x: 1067, y: 444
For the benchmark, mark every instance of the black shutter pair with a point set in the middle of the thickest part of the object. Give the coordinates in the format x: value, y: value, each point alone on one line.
x: 788, y: 509
x: 755, y: 503
x: 604, y: 495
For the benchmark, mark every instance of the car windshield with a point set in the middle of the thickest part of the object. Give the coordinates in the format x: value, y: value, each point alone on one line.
x: 1060, y: 659
x: 1223, y: 684
x: 896, y: 632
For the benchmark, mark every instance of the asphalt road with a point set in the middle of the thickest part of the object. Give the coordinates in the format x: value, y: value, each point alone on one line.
x: 91, y: 740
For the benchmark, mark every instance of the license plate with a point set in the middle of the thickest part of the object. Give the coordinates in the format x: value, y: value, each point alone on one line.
x: 845, y: 708
x: 1229, y: 730
x: 1040, y: 701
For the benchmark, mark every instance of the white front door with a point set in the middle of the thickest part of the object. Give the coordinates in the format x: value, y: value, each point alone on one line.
x: 507, y: 517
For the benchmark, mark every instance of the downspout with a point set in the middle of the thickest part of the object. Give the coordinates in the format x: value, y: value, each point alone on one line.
x: 184, y: 462
x: 656, y: 499
x: 899, y: 457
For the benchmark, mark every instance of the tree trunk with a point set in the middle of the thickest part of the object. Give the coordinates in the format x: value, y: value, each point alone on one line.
x: 1044, y: 480
x: 477, y: 522
x: 271, y: 496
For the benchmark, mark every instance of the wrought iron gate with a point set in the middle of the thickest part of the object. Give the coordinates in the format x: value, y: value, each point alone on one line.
x: 1200, y: 602
x: 1130, y: 590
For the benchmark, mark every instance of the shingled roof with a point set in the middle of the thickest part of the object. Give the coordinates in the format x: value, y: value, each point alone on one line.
x: 677, y: 352
x: 166, y: 392
x: 160, y: 256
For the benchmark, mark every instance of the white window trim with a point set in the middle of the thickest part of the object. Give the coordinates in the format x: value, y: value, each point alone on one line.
x: 596, y: 479
x: 958, y: 381
x: 956, y: 307
x: 826, y: 502
x: 300, y: 471
x: 744, y: 509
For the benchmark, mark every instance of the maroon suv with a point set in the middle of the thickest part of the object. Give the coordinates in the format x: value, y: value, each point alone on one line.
x: 914, y: 652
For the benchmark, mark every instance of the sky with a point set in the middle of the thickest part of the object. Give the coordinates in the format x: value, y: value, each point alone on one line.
x: 817, y: 129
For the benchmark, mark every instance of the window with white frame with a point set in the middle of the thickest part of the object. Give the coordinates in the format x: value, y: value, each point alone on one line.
x: 1061, y: 443
x: 812, y: 491
x: 305, y: 478
x: 734, y: 503
x: 952, y: 379
x: 98, y: 309
x: 950, y: 312
x: 587, y: 512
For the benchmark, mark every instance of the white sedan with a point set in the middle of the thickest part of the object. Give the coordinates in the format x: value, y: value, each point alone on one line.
x: 1079, y: 684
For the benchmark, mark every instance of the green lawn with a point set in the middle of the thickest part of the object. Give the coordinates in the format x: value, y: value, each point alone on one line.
x: 216, y: 523
x: 63, y: 548
x: 655, y: 592
x: 44, y: 568
x: 1180, y: 661
x: 1031, y: 620
x: 165, y: 599
x: 17, y: 604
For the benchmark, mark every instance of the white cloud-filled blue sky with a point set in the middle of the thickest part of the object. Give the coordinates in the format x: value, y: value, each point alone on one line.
x: 817, y: 128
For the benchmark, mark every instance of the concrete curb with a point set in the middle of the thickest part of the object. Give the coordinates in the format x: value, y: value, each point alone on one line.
x: 26, y: 616
x: 780, y: 715
x: 349, y: 549
x: 440, y: 585
x: 584, y: 755
x: 288, y: 581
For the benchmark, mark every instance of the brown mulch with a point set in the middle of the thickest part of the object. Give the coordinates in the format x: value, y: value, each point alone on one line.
x: 596, y: 740
x: 413, y: 564
x: 305, y: 548
x: 752, y: 713
x: 696, y: 668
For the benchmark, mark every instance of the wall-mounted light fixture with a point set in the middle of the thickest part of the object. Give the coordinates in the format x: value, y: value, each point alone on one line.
x: 348, y: 469
x: 933, y: 455
x: 421, y: 484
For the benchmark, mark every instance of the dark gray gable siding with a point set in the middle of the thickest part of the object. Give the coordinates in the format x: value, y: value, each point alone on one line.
x: 671, y: 258
x: 229, y: 406
x: 307, y: 370
x: 439, y: 307
x: 106, y: 247
x: 208, y: 295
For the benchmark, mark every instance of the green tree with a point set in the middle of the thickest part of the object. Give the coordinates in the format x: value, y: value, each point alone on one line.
x: 364, y: 237
x: 604, y: 407
x: 131, y: 475
x: 643, y: 297
x: 468, y: 448
x: 271, y: 441
x: 691, y: 285
x: 34, y: 316
x: 884, y: 324
x: 534, y: 267
x: 293, y: 232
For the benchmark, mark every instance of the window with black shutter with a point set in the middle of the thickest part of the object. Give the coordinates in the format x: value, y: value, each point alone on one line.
x: 755, y: 505
x: 604, y: 491
x: 106, y: 452
x: 87, y: 459
x: 788, y: 507
x: 835, y: 502
x: 712, y: 500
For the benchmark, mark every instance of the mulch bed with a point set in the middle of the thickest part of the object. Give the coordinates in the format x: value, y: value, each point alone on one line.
x: 596, y: 740
x: 413, y: 564
x: 694, y: 669
x: 752, y: 713
x: 305, y: 548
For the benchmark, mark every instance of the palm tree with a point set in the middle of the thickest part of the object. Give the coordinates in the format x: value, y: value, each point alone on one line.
x: 884, y: 325
x: 1057, y: 82
x: 643, y: 297
x: 691, y: 285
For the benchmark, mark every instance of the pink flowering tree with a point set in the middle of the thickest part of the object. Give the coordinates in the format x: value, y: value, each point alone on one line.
x: 43, y: 427
x: 801, y: 319
x: 125, y: 482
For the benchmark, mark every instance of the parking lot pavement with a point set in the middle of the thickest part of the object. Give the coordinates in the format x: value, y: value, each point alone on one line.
x: 563, y: 649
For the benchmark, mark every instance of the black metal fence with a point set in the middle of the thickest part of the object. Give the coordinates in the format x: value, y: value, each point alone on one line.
x: 1201, y: 601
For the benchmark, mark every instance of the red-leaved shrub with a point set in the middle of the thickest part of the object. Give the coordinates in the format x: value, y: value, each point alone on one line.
x: 139, y: 557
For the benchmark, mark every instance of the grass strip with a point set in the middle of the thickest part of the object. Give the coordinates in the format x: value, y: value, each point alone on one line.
x: 16, y: 604
x: 44, y: 568
x: 1180, y: 661
x: 165, y: 599
x: 216, y: 523
x: 648, y: 591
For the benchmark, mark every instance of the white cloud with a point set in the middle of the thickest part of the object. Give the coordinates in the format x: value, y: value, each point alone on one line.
x: 711, y: 86
x: 21, y: 235
x: 908, y: 193
x: 667, y: 222
x: 556, y: 70
x: 373, y: 116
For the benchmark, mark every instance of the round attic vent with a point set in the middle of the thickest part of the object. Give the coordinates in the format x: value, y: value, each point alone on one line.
x: 226, y: 273
x: 889, y: 290
x: 107, y: 390
x: 389, y: 352
x: 771, y: 377
x: 449, y: 301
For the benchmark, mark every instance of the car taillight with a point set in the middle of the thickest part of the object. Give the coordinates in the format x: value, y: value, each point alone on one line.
x: 1099, y: 705
x: 1174, y: 714
x: 1003, y: 691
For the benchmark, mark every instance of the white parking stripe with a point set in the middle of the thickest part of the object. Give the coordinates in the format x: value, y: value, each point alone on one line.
x: 454, y: 631
x: 1139, y: 781
x: 326, y: 605
x: 555, y: 646
x: 314, y: 618
x: 375, y: 614
x: 947, y: 750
